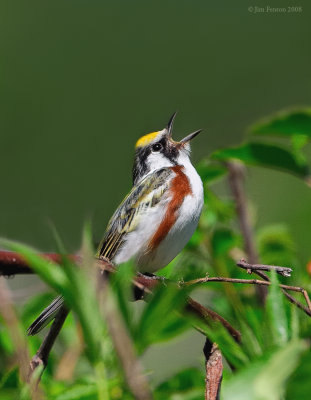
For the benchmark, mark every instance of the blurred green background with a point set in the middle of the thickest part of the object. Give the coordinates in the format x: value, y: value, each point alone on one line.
x: 82, y: 80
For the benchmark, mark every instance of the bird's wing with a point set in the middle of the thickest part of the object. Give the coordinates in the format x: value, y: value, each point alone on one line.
x: 142, y: 197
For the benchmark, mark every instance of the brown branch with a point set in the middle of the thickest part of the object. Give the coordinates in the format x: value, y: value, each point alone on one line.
x: 251, y: 268
x: 42, y: 355
x: 284, y: 271
x: 209, y: 317
x: 213, y: 368
x: 243, y: 281
x: 12, y: 263
x: 286, y: 294
x: 258, y: 282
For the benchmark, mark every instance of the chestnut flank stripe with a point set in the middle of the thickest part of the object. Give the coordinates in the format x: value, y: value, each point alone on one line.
x: 179, y: 188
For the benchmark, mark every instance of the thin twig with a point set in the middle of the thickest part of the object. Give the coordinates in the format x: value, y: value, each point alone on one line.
x: 296, y: 302
x: 292, y: 299
x: 213, y: 368
x: 243, y: 281
x: 306, y: 296
x: 258, y: 282
x: 284, y: 271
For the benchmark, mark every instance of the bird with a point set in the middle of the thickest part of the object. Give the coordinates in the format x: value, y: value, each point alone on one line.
x: 159, y: 215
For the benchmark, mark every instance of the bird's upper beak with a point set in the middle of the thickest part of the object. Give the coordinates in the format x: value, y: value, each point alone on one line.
x: 169, y: 130
x: 190, y: 136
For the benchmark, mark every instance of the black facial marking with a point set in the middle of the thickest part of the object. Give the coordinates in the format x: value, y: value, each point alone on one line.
x: 169, y: 150
x: 163, y: 146
x: 140, y: 166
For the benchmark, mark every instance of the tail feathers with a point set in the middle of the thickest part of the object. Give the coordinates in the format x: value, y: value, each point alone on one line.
x: 47, y: 315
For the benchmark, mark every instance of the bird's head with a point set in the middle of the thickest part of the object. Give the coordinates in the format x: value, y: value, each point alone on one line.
x: 157, y: 150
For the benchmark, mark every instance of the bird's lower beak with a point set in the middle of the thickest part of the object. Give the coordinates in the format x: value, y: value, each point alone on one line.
x: 190, y: 136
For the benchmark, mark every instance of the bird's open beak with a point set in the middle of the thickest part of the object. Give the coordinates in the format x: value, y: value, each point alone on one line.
x: 190, y: 136
x: 169, y: 126
x: 169, y: 130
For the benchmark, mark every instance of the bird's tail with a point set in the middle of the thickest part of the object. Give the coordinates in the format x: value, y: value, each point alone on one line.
x: 47, y: 315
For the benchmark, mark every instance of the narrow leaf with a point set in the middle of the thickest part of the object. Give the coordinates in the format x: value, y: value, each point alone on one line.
x: 276, y: 313
x: 160, y: 319
x: 265, y: 379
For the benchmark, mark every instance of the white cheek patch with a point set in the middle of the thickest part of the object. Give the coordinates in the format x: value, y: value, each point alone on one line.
x: 157, y: 160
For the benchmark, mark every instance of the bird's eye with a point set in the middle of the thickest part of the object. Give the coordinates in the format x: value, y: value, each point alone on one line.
x: 157, y: 147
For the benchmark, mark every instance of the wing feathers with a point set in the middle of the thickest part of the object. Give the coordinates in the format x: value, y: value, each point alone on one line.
x: 146, y: 195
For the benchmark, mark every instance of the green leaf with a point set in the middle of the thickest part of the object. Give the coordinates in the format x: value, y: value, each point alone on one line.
x: 298, y: 142
x: 210, y: 172
x: 186, y: 384
x: 75, y: 284
x: 249, y: 340
x: 270, y: 383
x: 222, y: 241
x: 264, y: 155
x: 121, y: 284
x: 190, y: 377
x: 299, y: 383
x: 6, y: 343
x: 286, y: 123
x: 276, y: 313
x: 10, y: 380
x: 79, y: 392
x: 160, y: 319
x: 265, y: 379
x: 217, y: 333
x: 276, y: 246
x: 81, y: 296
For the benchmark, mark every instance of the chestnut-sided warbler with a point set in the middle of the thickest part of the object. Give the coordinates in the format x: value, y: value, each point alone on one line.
x: 159, y: 215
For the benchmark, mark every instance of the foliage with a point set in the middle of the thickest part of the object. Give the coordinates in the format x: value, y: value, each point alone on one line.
x: 271, y: 362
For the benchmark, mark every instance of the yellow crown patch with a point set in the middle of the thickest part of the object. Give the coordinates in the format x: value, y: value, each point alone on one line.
x: 145, y: 140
